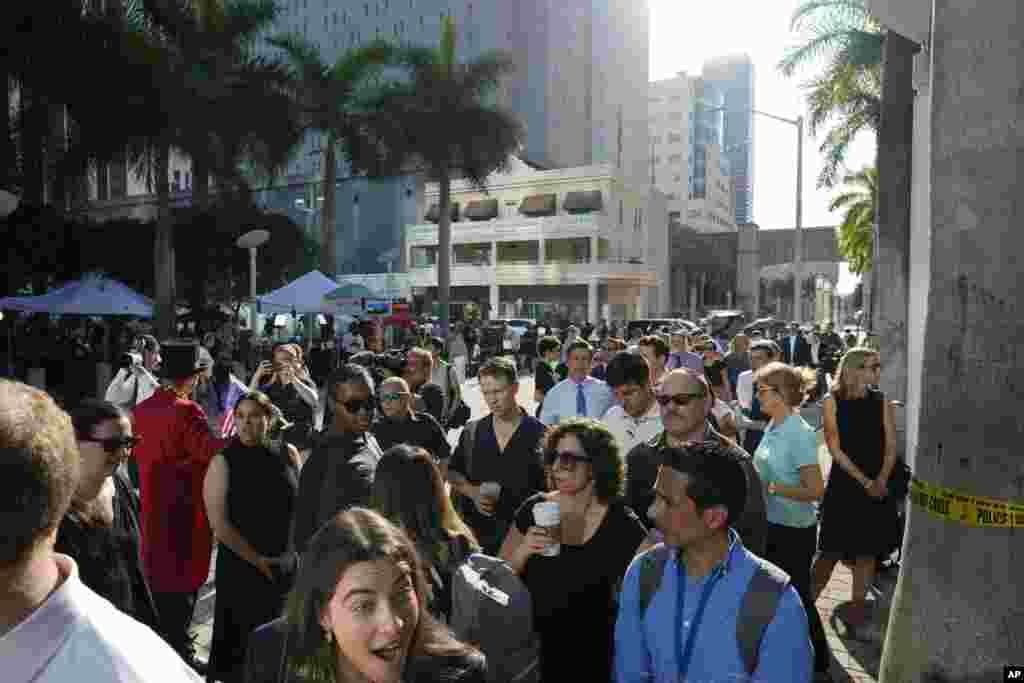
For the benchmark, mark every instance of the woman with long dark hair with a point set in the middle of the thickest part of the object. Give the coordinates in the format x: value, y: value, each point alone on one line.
x: 101, y: 528
x: 250, y: 491
x: 408, y: 490
x: 357, y: 614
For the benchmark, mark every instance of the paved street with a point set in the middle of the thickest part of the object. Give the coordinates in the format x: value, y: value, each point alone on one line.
x: 855, y: 661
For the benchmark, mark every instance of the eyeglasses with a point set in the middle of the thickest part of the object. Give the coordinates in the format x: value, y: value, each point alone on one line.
x: 566, y: 459
x: 392, y: 396
x: 357, y: 405
x: 681, y: 400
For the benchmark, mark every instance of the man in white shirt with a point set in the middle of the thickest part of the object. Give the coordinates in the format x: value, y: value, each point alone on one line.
x: 135, y: 383
x: 52, y: 626
x: 638, y: 418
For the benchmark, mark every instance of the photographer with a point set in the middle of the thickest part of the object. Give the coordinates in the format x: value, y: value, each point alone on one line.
x: 136, y: 379
x: 281, y: 381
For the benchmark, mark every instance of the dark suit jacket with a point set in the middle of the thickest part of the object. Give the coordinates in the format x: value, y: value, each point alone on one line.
x: 803, y: 351
x: 265, y: 661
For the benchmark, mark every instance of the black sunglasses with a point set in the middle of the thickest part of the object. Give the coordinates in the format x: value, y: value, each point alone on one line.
x: 566, y: 459
x: 358, y: 405
x: 115, y: 442
x: 681, y: 400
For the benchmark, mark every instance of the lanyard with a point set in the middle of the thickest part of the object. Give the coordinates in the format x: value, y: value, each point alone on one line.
x: 687, y: 648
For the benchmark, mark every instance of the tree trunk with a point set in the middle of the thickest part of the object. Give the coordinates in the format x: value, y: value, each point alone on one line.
x: 33, y: 114
x: 163, y: 248
x: 8, y: 163
x: 444, y: 249
x: 958, y: 611
x: 328, y: 212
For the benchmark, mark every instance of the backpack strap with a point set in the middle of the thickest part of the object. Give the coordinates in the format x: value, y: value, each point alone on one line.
x: 758, y: 609
x: 469, y: 433
x: 652, y: 568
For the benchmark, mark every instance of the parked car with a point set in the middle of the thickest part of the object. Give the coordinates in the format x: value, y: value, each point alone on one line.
x: 769, y: 327
x: 649, y: 325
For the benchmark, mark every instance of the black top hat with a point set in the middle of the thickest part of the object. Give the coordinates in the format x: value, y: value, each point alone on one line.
x: 180, y: 360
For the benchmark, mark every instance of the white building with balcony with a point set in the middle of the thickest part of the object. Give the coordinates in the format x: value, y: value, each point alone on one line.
x: 573, y: 243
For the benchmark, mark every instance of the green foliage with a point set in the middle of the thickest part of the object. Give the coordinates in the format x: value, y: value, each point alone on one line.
x: 841, y: 38
x: 857, y: 231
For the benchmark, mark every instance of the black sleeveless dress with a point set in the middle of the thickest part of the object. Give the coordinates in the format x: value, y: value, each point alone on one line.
x: 262, y: 489
x: 852, y: 522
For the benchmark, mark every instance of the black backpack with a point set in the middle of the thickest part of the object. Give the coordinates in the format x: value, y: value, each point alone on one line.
x: 492, y: 610
x: 756, y: 611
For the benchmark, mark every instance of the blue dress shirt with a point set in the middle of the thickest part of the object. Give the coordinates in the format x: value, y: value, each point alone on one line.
x: 646, y: 645
x: 561, y: 402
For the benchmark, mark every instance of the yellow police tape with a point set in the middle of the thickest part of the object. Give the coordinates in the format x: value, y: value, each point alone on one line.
x: 974, y: 511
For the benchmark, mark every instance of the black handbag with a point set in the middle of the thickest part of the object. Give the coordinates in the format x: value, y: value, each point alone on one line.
x: 899, y: 480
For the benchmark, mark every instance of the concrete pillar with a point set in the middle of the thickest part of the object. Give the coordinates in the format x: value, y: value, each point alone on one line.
x: 729, y: 299
x: 957, y: 610
x: 495, y: 301
x: 892, y: 242
x: 540, y: 252
x: 494, y: 253
x: 693, y: 301
x: 641, y: 308
x: 592, y: 302
x: 593, y: 248
x: 606, y: 312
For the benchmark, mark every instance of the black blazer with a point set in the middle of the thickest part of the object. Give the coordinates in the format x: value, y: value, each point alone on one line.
x: 265, y: 661
x: 803, y: 351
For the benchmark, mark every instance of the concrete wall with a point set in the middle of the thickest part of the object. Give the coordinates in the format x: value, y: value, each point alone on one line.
x: 957, y: 614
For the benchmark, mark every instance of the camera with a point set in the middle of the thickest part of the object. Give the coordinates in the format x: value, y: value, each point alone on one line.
x: 381, y: 365
x: 129, y: 360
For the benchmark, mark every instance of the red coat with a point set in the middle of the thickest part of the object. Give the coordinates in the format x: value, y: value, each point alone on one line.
x: 173, y: 455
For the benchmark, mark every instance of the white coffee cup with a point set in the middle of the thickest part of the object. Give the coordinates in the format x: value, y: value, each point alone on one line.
x: 491, y: 490
x: 548, y: 516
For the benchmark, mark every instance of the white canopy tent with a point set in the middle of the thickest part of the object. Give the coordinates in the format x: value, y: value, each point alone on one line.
x: 92, y: 295
x: 303, y: 295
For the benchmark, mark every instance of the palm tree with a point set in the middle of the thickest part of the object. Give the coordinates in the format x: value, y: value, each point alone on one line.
x: 847, y: 93
x: 329, y: 99
x: 857, y: 231
x: 445, y: 121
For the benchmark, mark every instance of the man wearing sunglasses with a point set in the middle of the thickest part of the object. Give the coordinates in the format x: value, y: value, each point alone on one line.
x: 402, y: 424
x: 342, y: 466
x: 685, y: 401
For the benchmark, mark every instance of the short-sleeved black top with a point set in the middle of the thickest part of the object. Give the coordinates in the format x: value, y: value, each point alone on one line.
x: 518, y: 469
x: 574, y: 593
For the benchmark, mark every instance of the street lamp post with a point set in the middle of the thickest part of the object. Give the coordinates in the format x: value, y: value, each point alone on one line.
x: 251, y: 241
x: 798, y: 236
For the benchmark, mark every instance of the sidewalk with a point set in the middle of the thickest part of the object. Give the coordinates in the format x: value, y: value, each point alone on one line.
x: 853, y: 660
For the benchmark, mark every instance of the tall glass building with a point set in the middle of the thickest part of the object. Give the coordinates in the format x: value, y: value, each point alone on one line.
x: 579, y: 87
x: 730, y: 80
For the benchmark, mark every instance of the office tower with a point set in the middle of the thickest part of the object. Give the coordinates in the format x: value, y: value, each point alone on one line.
x: 731, y: 80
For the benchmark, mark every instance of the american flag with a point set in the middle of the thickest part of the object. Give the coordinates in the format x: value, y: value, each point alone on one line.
x: 227, y: 425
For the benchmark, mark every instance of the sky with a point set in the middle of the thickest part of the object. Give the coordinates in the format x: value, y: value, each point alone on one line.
x: 685, y: 33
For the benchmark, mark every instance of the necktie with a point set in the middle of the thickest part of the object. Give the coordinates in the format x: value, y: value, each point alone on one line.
x: 581, y: 401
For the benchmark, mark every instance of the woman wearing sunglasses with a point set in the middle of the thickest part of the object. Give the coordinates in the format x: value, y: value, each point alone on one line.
x: 101, y: 528
x: 574, y: 591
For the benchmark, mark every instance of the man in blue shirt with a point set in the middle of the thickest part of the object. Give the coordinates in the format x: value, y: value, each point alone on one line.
x: 688, y: 629
x: 579, y: 394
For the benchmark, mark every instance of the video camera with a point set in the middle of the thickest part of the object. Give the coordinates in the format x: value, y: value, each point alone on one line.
x: 130, y: 360
x: 382, y: 365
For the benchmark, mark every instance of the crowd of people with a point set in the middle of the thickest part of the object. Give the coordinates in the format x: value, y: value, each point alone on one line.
x: 664, y: 504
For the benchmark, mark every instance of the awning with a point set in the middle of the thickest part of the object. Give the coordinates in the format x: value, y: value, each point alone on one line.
x: 583, y: 202
x: 482, y: 210
x: 434, y: 212
x: 538, y: 205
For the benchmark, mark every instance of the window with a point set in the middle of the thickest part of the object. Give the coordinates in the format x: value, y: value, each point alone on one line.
x: 508, y: 36
x: 366, y: 7
x: 675, y: 159
x: 656, y: 140
x: 469, y: 9
x: 620, y: 213
x: 675, y: 137
x: 325, y: 21
x: 335, y: 19
x: 421, y: 21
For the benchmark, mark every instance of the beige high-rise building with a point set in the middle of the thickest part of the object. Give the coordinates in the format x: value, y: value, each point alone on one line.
x: 686, y: 160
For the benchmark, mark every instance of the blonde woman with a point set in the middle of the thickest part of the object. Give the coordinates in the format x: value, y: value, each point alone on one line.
x: 861, y: 438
